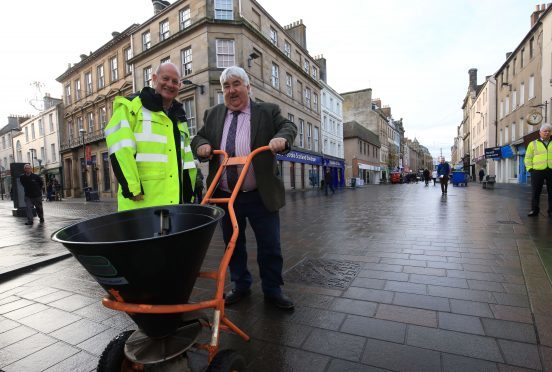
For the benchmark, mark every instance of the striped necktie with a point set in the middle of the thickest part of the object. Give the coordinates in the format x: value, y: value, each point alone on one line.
x: 232, y: 171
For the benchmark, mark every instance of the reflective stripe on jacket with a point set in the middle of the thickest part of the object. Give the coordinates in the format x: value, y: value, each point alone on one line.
x: 142, y: 144
x: 538, y: 156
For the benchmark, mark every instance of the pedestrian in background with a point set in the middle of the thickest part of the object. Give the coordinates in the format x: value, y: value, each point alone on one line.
x: 434, y: 176
x: 239, y: 126
x: 32, y: 184
x: 149, y: 145
x: 328, y: 182
x: 426, y: 177
x: 538, y: 161
x: 443, y: 171
x: 481, y: 175
x: 198, y: 189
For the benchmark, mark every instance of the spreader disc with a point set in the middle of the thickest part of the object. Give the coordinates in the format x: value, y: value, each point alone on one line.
x: 142, y: 349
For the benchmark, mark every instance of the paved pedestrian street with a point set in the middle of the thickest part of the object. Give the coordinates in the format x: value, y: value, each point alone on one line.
x: 384, y: 277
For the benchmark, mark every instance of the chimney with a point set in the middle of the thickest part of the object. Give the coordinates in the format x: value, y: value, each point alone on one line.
x: 49, y: 101
x: 508, y: 55
x: 159, y: 6
x: 386, y: 111
x: 473, y: 78
x: 377, y: 103
x: 321, y: 62
x: 83, y: 57
x: 114, y: 34
x: 539, y: 9
x: 298, y: 31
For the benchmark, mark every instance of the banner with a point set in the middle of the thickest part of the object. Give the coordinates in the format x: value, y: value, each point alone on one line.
x: 492, y: 153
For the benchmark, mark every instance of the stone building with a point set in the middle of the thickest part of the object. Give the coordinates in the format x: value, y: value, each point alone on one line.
x: 519, y: 93
x: 362, y: 154
x: 89, y: 88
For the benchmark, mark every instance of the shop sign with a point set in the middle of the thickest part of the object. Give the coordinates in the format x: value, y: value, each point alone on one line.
x: 333, y: 163
x: 506, y: 151
x: 300, y: 157
x: 492, y: 153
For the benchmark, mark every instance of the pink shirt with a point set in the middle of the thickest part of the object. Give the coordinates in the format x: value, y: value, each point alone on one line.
x: 243, y: 146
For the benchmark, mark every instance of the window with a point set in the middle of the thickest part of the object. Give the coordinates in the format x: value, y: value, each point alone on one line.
x: 521, y: 94
x: 147, y: 76
x: 513, y: 132
x: 315, y: 102
x: 300, y: 91
x: 113, y: 67
x: 26, y: 134
x: 33, y: 131
x: 500, y: 110
x: 53, y: 150
x: 77, y: 90
x: 325, y: 123
x: 165, y: 60
x: 100, y: 77
x: 185, y: 20
x: 531, y: 50
x: 102, y: 117
x: 223, y: 9
x: 514, y: 100
x: 521, y: 58
x: 287, y: 48
x: 189, y: 107
x: 521, y: 127
x: 146, y: 40
x: 316, y: 136
x: 128, y: 55
x: 289, y: 85
x: 308, y: 97
x: 306, y: 66
x: 309, y: 136
x: 70, y: 130
x: 275, y: 79
x: 291, y: 118
x: 506, y: 105
x: 90, y: 120
x: 164, y: 30
x: 314, y: 73
x: 301, y: 132
x: 68, y: 94
x: 40, y: 128
x: 220, y: 97
x: 273, y: 36
x: 225, y: 52
x: 42, y: 154
x: 186, y: 57
x: 531, y: 92
x: 79, y: 124
x: 88, y: 83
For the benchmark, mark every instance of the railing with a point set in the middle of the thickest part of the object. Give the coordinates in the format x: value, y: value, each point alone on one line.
x: 75, y: 142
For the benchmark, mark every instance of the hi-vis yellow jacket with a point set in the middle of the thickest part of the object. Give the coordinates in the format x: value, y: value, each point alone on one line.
x: 144, y: 157
x: 538, y: 156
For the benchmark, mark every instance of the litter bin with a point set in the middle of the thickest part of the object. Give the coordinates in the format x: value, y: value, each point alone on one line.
x: 91, y: 195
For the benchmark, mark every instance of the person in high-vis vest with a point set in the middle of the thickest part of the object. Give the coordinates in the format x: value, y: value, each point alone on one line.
x: 538, y: 161
x: 149, y: 145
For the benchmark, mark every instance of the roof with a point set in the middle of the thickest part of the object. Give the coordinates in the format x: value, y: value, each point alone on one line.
x: 353, y: 129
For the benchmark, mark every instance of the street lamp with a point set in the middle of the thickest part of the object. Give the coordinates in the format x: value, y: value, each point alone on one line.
x: 82, y: 131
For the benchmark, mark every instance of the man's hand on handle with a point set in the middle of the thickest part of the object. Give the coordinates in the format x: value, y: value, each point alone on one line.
x: 277, y: 145
x: 204, y: 151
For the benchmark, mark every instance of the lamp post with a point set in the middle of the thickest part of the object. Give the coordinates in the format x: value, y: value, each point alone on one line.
x: 82, y: 131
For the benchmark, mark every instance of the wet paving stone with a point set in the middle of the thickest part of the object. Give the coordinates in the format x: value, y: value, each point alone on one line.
x: 398, y: 357
x: 374, y: 328
x: 335, y: 344
x: 44, y: 358
x: 455, y: 363
x: 520, y: 354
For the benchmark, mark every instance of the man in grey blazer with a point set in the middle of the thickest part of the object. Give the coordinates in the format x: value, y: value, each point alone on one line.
x: 239, y: 126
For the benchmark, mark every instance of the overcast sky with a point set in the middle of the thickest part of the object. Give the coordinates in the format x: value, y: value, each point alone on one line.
x: 414, y: 54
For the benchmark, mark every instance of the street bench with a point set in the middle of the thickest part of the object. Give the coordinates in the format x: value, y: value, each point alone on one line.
x: 489, y: 182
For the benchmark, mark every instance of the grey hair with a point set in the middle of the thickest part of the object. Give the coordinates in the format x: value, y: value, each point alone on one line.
x: 158, y: 69
x: 234, y: 72
x: 546, y: 126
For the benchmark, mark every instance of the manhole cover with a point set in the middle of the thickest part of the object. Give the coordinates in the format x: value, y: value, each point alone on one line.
x: 39, y: 254
x: 324, y: 273
x: 508, y: 222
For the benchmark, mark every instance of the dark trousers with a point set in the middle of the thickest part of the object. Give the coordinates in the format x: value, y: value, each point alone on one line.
x: 266, y: 227
x: 444, y: 184
x: 37, y: 203
x: 537, y: 181
x: 328, y: 185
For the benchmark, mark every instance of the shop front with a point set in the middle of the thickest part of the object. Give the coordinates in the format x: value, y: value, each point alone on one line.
x: 303, y: 170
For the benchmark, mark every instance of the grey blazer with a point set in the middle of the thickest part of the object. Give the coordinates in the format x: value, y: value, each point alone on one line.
x: 266, y: 123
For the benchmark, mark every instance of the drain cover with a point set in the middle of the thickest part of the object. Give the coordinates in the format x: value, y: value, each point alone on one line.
x: 324, y: 273
x: 508, y: 222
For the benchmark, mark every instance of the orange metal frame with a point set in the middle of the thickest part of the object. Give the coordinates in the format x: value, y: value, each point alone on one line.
x: 220, y: 321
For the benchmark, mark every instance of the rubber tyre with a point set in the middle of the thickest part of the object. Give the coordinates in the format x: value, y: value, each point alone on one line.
x: 227, y: 361
x: 113, y: 356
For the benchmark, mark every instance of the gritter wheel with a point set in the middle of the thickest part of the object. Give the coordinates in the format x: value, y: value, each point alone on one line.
x: 113, y: 357
x: 227, y: 361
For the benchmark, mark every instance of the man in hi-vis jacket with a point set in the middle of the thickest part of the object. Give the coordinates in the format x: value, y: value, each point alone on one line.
x: 149, y: 145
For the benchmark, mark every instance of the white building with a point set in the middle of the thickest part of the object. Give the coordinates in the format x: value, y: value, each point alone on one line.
x: 332, y: 122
